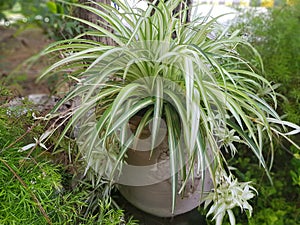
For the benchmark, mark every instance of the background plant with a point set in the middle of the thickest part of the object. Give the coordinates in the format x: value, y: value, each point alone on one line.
x: 275, y: 34
x: 49, y: 15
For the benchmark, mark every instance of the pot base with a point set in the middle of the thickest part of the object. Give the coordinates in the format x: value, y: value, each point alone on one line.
x: 156, y: 199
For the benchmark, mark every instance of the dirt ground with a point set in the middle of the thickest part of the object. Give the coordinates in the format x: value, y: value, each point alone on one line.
x: 16, y: 46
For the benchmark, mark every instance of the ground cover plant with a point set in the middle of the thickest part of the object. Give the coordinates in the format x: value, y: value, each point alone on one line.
x: 36, y: 187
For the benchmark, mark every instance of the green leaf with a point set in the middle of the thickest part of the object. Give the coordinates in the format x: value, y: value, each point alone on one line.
x: 52, y: 6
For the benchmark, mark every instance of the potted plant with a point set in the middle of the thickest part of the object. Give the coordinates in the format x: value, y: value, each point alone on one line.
x: 164, y: 105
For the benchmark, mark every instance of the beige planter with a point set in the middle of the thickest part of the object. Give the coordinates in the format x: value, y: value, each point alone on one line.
x: 145, y: 182
x: 157, y: 200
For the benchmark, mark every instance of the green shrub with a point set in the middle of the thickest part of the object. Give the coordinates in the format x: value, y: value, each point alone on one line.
x: 276, y: 36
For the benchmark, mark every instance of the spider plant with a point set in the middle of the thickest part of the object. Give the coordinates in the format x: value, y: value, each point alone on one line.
x: 185, y: 75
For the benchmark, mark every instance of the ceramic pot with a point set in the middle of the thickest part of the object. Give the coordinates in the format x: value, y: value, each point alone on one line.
x: 145, y: 181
